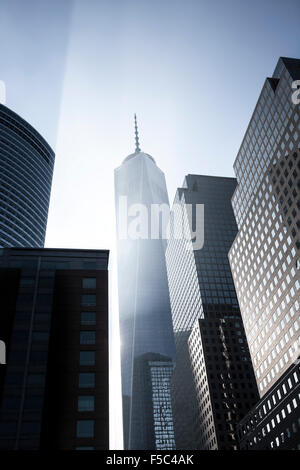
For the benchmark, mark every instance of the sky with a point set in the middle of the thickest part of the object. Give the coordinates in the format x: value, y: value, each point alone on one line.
x: 192, y: 70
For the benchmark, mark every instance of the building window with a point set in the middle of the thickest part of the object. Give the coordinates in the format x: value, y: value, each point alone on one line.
x: 36, y: 380
x: 85, y: 448
x: 87, y: 358
x: 8, y: 429
x: 46, y: 281
x: 40, y: 336
x: 86, y: 403
x: 88, y: 300
x: 88, y: 318
x: 86, y: 380
x: 27, y: 281
x: 89, y: 283
x: 11, y: 403
x: 87, y: 337
x: 85, y: 428
x: 30, y: 427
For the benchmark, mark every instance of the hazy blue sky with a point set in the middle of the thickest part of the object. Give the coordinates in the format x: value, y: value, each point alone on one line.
x: 192, y: 70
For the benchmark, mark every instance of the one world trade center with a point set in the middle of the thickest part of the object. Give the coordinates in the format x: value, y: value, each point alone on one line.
x: 146, y: 333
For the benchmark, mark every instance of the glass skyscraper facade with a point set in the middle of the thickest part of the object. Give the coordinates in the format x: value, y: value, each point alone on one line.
x: 265, y: 254
x: 161, y: 373
x: 153, y: 406
x: 144, y: 305
x: 264, y: 259
x: 26, y: 169
x: 213, y: 385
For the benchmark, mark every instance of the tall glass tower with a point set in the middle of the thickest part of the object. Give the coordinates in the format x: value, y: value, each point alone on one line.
x: 26, y: 169
x: 144, y: 308
x: 213, y: 385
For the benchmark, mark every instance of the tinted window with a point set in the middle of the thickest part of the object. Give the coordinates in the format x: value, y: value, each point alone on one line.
x: 87, y: 337
x: 36, y: 379
x: 89, y: 283
x: 86, y: 403
x: 85, y: 448
x: 88, y: 300
x: 86, y: 380
x: 27, y: 281
x: 85, y: 428
x: 88, y: 318
x: 40, y: 336
x: 87, y: 358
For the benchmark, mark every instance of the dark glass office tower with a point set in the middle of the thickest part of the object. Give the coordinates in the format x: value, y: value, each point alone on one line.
x: 213, y: 385
x: 26, y: 169
x: 264, y: 257
x: 54, y: 387
x: 144, y: 305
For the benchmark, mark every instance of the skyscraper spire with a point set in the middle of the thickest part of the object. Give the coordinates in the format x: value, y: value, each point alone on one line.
x: 137, y: 144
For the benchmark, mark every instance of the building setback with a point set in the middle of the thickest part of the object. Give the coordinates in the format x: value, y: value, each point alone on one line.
x: 54, y: 388
x: 264, y: 257
x: 26, y: 169
x: 144, y: 304
x: 213, y: 385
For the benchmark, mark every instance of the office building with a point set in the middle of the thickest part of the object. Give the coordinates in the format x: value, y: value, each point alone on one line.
x: 152, y: 384
x: 274, y: 423
x: 213, y: 385
x: 26, y: 169
x: 264, y: 257
x: 54, y: 387
x: 144, y: 305
x: 265, y: 254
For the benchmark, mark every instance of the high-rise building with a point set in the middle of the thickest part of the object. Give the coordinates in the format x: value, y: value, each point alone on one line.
x: 26, y: 169
x: 213, y: 385
x: 152, y: 385
x: 264, y: 257
x: 144, y: 305
x: 54, y: 322
x: 274, y: 422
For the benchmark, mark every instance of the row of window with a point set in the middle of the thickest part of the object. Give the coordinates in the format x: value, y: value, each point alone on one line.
x: 276, y: 402
x: 86, y: 403
x: 263, y: 263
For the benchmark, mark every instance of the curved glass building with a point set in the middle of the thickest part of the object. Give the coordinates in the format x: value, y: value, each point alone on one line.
x: 26, y: 169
